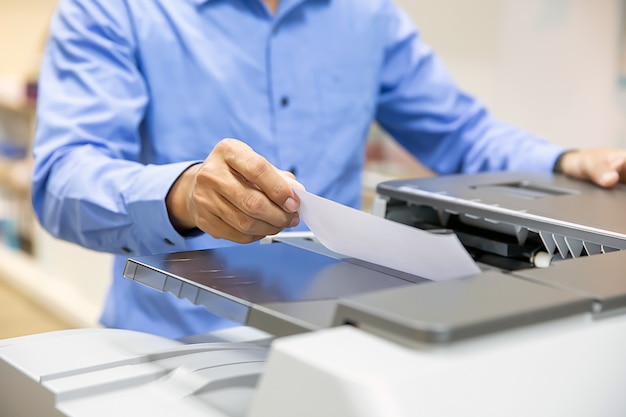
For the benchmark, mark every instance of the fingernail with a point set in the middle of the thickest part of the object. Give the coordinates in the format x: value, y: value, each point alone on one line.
x: 608, y: 177
x: 290, y: 205
x: 294, y: 222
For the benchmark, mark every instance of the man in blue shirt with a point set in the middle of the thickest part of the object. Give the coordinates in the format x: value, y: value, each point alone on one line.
x: 135, y: 94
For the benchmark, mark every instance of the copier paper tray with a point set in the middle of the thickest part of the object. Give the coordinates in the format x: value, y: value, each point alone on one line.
x: 278, y: 287
x: 283, y: 289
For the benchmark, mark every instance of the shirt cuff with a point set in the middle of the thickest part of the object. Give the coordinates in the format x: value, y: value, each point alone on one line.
x: 145, y: 201
x: 557, y: 162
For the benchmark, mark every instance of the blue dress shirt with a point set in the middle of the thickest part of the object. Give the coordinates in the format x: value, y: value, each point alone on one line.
x: 132, y: 92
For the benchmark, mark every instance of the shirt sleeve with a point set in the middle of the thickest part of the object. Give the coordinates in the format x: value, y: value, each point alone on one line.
x: 89, y: 184
x: 447, y: 129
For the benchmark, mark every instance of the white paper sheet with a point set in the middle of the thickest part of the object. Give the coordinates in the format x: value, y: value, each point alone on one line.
x: 361, y: 235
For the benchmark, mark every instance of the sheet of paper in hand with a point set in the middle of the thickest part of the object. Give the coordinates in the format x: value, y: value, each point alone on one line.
x: 361, y: 235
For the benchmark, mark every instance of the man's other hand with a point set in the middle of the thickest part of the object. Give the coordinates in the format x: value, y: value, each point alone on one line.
x: 604, y: 167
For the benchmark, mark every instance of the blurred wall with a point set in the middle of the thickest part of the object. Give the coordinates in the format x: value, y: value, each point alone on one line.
x: 23, y: 28
x: 549, y: 66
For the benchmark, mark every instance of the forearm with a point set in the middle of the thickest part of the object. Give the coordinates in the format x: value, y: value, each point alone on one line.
x: 106, y: 204
x: 499, y: 146
x: 447, y: 129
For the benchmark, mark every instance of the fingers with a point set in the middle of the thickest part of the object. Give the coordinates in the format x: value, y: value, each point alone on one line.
x: 243, y: 232
x: 607, y: 173
x: 238, y: 195
x: 604, y: 167
x: 242, y: 206
x: 259, y: 172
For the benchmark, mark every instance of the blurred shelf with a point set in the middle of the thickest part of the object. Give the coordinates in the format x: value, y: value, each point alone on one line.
x: 21, y: 316
x: 15, y: 176
x: 23, y: 273
x: 25, y: 107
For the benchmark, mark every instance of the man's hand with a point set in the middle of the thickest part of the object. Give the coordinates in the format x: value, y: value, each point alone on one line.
x: 604, y: 167
x: 235, y: 194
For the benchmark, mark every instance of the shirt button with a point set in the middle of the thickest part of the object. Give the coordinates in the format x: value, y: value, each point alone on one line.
x: 275, y: 30
x: 169, y: 242
x: 284, y: 101
x: 126, y: 250
x: 293, y: 170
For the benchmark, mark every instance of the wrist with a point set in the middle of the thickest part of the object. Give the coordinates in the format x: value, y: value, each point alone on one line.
x: 177, y: 200
x: 560, y: 162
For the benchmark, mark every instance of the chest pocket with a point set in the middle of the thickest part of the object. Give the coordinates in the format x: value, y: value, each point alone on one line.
x: 347, y: 101
x: 345, y: 96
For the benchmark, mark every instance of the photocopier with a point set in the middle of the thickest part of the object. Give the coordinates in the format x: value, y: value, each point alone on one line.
x: 540, y: 330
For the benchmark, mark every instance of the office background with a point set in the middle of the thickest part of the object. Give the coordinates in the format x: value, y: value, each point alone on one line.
x: 554, y: 67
